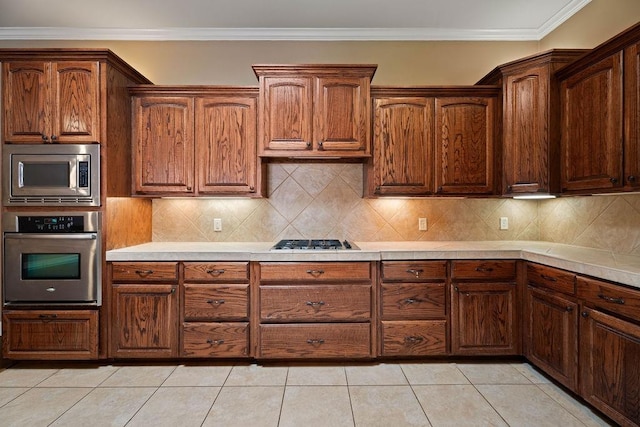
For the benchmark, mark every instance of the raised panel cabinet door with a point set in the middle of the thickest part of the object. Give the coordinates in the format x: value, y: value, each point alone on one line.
x: 526, y: 131
x: 26, y: 99
x: 464, y: 145
x: 145, y: 321
x: 610, y: 366
x: 632, y: 117
x: 592, y: 127
x: 76, y: 112
x: 285, y: 116
x: 403, y: 146
x: 341, y: 111
x: 226, y: 145
x: 483, y: 318
x: 552, y: 335
x: 164, y: 145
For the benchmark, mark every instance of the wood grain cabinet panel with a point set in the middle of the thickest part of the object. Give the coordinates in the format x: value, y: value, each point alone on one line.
x: 51, y: 102
x: 226, y: 339
x: 315, y: 272
x: 414, y: 338
x: 483, y: 269
x: 413, y: 301
x: 218, y: 272
x: 632, y: 117
x: 216, y: 302
x: 144, y: 271
x: 413, y: 271
x: 551, y: 278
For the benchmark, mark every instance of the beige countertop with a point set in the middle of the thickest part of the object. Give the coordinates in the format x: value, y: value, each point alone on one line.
x: 598, y: 263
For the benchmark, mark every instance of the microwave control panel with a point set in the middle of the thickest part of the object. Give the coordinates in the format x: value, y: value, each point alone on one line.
x: 51, y: 224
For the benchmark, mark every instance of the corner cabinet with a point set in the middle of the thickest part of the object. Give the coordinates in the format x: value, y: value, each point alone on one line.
x: 314, y: 110
x: 195, y: 141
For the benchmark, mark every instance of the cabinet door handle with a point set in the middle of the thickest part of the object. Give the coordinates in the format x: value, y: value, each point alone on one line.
x: 412, y: 339
x: 611, y: 299
x: 415, y: 271
x: 54, y: 138
x: 313, y: 341
x: 548, y: 278
x: 315, y: 303
x: 45, y: 138
x: 308, y: 144
x: 216, y: 272
x: 320, y: 145
x: 215, y: 301
x: 585, y: 314
x: 216, y: 342
x: 569, y: 309
x: 315, y: 273
x: 613, y: 180
x: 631, y: 178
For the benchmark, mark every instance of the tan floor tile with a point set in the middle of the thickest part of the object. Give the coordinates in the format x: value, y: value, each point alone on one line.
x: 492, y: 373
x: 386, y: 406
x: 29, y: 376
x: 40, y: 406
x: 433, y: 373
x: 250, y: 375
x: 316, y: 375
x: 176, y: 406
x: 456, y: 406
x: 531, y: 373
x: 379, y: 374
x: 198, y: 375
x: 139, y: 376
x: 580, y: 411
x: 246, y: 406
x: 106, y: 407
x: 316, y: 406
x: 90, y: 376
x: 527, y: 405
x: 10, y: 393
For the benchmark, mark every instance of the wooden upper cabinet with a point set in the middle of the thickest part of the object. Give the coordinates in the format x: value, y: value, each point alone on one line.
x: 164, y: 145
x: 592, y: 126
x: 632, y: 117
x: 465, y: 145
x: 226, y: 144
x: 314, y: 110
x: 51, y: 102
x: 403, y: 139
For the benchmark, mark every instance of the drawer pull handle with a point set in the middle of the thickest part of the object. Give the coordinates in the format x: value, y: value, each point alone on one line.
x: 48, y: 316
x: 216, y: 342
x: 484, y: 269
x: 315, y: 273
x: 216, y: 272
x: 313, y: 341
x: 315, y: 303
x: 413, y: 339
x: 611, y: 299
x: 569, y: 309
x: 215, y: 301
x: 144, y: 272
x: 412, y: 300
x: 548, y: 278
x: 415, y: 271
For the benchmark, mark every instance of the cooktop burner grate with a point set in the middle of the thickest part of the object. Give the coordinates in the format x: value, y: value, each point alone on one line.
x: 315, y: 244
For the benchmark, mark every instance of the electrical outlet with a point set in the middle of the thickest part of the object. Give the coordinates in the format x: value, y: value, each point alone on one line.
x: 217, y: 224
x: 422, y: 224
x: 504, y: 223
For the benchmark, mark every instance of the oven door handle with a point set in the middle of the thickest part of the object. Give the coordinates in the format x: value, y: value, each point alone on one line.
x: 52, y: 236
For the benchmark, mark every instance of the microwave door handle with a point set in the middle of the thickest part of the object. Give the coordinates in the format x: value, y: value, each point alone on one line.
x: 20, y: 174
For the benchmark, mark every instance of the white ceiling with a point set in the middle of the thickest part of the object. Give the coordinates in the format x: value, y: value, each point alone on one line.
x: 283, y: 19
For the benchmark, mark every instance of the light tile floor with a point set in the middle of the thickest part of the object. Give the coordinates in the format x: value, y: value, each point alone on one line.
x: 402, y: 394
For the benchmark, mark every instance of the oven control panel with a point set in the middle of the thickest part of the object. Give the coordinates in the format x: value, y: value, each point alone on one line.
x: 51, y: 224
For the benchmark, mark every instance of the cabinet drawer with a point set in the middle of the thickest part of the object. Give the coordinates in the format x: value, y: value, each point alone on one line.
x: 50, y: 334
x: 551, y: 278
x: 147, y: 271
x: 216, y: 302
x: 416, y: 338
x: 216, y: 272
x: 413, y: 301
x: 319, y: 340
x: 610, y: 297
x: 315, y: 303
x: 315, y: 271
x: 482, y: 269
x: 215, y: 339
x: 413, y: 271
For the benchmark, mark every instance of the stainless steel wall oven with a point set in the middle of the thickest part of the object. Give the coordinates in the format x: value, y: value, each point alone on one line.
x: 52, y: 258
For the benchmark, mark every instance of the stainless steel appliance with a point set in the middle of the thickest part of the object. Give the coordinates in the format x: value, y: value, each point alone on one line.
x: 51, y: 174
x: 52, y: 258
x: 315, y: 244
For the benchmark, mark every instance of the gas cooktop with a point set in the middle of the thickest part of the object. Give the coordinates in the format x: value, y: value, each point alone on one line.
x: 316, y: 244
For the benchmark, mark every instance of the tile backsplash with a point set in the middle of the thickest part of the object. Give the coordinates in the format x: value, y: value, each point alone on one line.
x: 323, y: 200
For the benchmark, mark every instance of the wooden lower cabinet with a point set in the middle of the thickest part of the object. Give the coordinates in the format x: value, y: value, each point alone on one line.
x: 50, y: 334
x: 414, y: 338
x: 215, y: 339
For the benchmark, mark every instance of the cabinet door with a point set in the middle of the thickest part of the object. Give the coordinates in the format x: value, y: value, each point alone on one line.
x: 484, y: 318
x: 527, y: 132
x: 286, y: 113
x: 464, y: 145
x: 75, y: 115
x: 145, y: 321
x: 403, y: 146
x: 610, y: 365
x: 592, y: 127
x: 552, y: 335
x: 341, y: 112
x: 26, y: 99
x: 632, y: 117
x: 164, y: 145
x: 226, y: 145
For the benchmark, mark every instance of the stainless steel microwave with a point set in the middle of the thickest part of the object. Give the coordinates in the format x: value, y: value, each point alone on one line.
x: 51, y: 175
